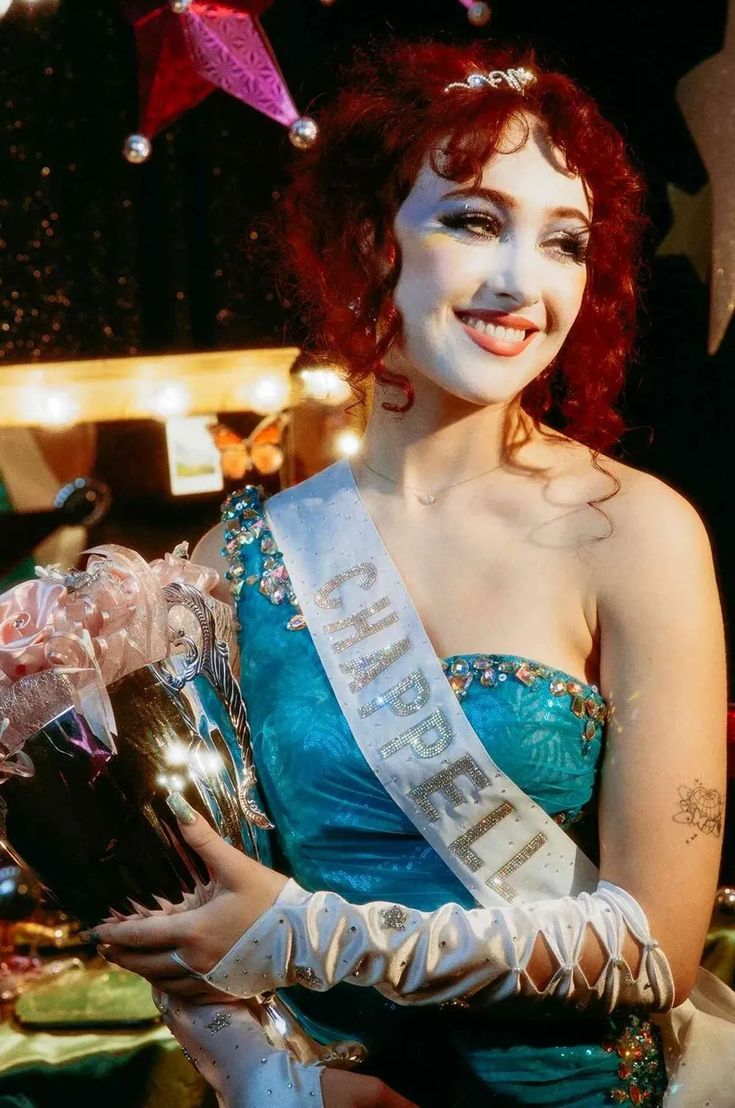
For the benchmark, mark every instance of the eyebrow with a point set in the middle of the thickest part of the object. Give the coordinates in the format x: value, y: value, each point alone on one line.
x: 510, y: 202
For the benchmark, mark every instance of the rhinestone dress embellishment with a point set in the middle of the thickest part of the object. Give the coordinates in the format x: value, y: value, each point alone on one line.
x: 641, y: 1069
x: 585, y: 702
x: 219, y: 1022
x: 394, y: 918
x: 244, y: 521
x: 305, y: 976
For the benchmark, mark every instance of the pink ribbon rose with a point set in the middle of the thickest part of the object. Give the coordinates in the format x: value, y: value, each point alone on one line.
x: 26, y: 627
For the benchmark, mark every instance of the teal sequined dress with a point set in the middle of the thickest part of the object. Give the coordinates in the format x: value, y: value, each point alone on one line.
x: 337, y: 829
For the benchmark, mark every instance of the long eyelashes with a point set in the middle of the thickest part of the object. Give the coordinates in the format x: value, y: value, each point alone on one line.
x: 570, y: 245
x: 464, y: 220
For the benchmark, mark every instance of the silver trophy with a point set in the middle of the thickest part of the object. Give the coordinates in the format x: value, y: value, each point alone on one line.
x: 93, y: 823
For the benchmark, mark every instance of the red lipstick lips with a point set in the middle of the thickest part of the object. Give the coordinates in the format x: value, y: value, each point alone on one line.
x: 502, y: 347
x: 503, y: 319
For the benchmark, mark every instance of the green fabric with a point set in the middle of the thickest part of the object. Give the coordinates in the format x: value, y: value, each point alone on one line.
x: 25, y: 569
x: 80, y: 1066
x: 89, y: 998
x: 130, y: 1080
x: 24, y: 1048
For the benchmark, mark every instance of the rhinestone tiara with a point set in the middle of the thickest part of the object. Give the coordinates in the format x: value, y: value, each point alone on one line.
x: 515, y: 78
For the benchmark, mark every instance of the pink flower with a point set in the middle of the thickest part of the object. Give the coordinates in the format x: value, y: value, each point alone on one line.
x: 27, y: 614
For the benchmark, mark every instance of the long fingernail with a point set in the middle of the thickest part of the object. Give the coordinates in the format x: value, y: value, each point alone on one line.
x: 181, y: 808
x: 89, y: 937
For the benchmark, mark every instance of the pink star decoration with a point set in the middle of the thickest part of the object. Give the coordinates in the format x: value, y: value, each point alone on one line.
x: 187, y: 48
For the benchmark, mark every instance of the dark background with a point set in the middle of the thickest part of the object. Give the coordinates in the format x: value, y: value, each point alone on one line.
x: 103, y: 258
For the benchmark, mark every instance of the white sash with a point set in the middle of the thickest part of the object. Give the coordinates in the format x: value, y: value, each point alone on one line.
x: 436, y: 769
x: 403, y: 713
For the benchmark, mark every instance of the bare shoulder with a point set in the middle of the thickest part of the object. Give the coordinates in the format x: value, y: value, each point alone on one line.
x: 651, y: 525
x: 637, y: 502
x: 208, y: 552
x: 625, y: 522
x: 648, y: 509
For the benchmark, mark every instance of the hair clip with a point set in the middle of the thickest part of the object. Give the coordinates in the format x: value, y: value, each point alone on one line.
x: 515, y: 78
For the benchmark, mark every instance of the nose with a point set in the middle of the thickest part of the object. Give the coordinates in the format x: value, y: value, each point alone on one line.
x: 515, y: 279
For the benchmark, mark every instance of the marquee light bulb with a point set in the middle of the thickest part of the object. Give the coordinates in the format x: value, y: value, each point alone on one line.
x: 347, y: 443
x: 52, y: 408
x: 169, y: 400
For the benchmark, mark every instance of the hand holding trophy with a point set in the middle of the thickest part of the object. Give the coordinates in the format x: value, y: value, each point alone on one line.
x: 117, y: 690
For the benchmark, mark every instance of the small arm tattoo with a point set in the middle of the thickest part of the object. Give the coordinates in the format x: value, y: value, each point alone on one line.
x: 701, y: 808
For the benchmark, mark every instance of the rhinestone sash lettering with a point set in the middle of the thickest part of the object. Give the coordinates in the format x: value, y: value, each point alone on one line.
x: 385, y: 673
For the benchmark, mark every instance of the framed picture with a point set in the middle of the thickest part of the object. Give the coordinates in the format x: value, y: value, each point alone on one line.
x: 194, y: 462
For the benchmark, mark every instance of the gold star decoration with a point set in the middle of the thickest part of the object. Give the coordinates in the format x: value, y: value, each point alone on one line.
x: 691, y: 229
x: 706, y: 97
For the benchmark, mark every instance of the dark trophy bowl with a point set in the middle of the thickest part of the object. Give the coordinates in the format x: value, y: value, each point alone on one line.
x: 93, y: 823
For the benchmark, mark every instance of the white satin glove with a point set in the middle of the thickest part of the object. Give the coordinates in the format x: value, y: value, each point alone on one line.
x: 227, y: 1045
x: 319, y: 939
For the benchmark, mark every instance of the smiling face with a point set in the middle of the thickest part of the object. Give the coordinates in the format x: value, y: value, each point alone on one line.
x: 492, y: 279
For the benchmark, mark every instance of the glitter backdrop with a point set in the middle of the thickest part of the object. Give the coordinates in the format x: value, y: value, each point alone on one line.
x: 102, y: 258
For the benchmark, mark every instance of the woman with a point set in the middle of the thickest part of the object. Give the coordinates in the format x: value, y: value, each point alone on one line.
x: 466, y: 232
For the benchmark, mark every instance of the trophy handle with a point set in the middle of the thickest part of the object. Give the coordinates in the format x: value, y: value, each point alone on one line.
x: 212, y: 660
x: 18, y: 764
x: 284, y: 1031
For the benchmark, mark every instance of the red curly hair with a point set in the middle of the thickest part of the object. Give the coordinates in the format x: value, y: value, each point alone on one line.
x: 390, y: 114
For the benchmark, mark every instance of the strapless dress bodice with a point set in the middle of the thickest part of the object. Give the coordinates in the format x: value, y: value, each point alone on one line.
x: 337, y: 826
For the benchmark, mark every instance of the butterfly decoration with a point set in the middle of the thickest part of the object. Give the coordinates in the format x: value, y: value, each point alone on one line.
x: 261, y: 450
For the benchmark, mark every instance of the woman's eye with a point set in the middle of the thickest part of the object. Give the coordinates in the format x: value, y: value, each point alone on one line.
x: 468, y: 221
x: 575, y: 247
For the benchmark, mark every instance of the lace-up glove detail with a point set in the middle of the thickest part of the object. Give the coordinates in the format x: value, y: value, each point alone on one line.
x: 319, y: 939
x: 227, y: 1045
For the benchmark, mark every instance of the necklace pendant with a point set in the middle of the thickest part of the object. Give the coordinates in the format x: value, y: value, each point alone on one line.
x: 425, y: 498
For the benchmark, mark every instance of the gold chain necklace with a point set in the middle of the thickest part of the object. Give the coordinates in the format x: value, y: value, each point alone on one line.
x: 424, y: 496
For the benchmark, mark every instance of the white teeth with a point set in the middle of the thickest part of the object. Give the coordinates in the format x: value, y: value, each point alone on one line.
x: 505, y: 334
